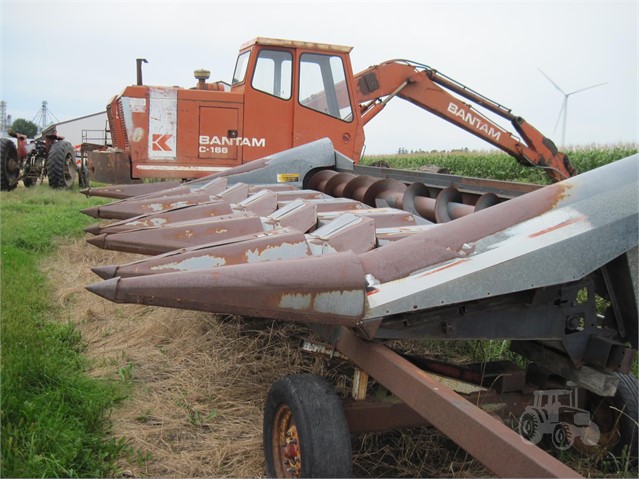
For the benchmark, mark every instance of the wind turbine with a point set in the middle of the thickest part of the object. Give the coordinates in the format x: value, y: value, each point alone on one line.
x: 564, y: 105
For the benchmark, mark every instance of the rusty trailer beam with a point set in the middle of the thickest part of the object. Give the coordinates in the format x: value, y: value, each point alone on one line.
x: 488, y: 440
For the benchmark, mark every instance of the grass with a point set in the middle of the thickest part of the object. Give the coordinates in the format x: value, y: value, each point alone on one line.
x: 500, y: 166
x: 54, y: 416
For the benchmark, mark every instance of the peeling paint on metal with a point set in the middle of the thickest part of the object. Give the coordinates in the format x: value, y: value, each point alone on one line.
x: 277, y: 252
x: 296, y: 301
x: 193, y: 264
x: 158, y: 221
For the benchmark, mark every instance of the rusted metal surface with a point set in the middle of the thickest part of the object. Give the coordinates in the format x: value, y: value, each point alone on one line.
x: 203, y: 185
x: 165, y: 218
x: 131, y: 208
x: 347, y: 232
x: 297, y: 214
x: 179, y: 235
x: 285, y: 243
x: 485, y: 438
x: 122, y: 191
x: 261, y: 203
x: 110, y: 167
x: 383, y: 217
x: 337, y: 204
x: 334, y: 296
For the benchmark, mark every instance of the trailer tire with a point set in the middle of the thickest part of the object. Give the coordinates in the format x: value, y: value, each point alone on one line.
x: 617, y: 418
x: 61, y: 169
x: 305, y: 431
x: 29, y: 182
x: 9, y: 165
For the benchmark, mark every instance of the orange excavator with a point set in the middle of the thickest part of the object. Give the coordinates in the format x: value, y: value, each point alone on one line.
x: 284, y: 94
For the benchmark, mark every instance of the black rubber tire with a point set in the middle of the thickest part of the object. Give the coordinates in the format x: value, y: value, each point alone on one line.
x: 625, y: 422
x: 626, y: 400
x: 29, y: 182
x: 8, y: 154
x: 61, y: 169
x: 321, y: 427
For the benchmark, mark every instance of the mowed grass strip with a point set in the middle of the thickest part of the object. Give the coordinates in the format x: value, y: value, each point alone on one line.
x: 54, y: 416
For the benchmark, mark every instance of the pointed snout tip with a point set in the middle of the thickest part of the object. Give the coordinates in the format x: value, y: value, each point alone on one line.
x: 106, y: 289
x: 94, y: 211
x: 93, y: 229
x: 99, y: 240
x: 105, y: 272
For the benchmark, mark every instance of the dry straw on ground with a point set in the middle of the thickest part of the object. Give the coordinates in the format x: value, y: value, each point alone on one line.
x: 197, y: 383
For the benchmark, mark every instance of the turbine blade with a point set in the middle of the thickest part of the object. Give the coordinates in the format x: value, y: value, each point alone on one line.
x: 563, y: 107
x: 587, y: 88
x: 549, y: 79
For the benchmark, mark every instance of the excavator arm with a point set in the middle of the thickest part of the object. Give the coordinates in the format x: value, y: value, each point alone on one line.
x: 431, y: 90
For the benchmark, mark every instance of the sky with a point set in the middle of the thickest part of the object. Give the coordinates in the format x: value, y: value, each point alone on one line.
x: 78, y: 55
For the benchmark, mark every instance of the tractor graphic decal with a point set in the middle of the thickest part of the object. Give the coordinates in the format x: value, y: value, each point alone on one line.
x: 555, y: 412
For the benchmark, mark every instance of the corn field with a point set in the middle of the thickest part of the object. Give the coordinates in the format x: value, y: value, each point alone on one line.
x: 500, y: 166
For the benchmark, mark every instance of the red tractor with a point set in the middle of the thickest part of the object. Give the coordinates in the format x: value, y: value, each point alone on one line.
x: 50, y: 157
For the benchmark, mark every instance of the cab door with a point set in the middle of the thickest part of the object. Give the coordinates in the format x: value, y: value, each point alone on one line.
x: 323, y: 107
x: 268, y: 103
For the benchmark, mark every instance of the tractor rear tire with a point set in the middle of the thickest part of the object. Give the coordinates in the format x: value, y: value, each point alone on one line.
x: 61, y: 168
x: 9, y: 165
x: 305, y: 430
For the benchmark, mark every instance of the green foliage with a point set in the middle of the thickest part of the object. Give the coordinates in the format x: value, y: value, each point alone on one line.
x: 26, y: 127
x: 500, y: 166
x: 54, y: 417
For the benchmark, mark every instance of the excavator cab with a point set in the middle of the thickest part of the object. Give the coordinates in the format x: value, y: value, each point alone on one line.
x: 283, y: 94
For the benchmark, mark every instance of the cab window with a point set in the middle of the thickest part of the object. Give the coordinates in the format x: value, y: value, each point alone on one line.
x: 240, y: 68
x: 323, y: 85
x: 273, y: 73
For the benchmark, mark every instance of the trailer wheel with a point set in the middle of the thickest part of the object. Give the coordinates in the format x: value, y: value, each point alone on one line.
x: 617, y: 419
x: 305, y: 430
x: 29, y: 182
x: 61, y: 168
x: 9, y: 165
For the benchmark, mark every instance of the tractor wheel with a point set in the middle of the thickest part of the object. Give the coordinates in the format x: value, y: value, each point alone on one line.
x: 530, y: 426
x: 305, y: 430
x: 29, y: 182
x: 9, y: 165
x: 617, y: 419
x: 61, y: 168
x: 562, y: 436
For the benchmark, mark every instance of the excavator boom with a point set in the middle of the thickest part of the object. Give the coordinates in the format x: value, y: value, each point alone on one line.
x: 431, y: 90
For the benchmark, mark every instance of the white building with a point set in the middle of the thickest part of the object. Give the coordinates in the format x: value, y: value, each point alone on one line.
x: 93, y: 127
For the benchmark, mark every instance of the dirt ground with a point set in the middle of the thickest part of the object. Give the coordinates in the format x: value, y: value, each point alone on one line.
x: 197, y: 383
